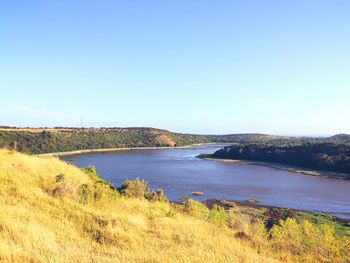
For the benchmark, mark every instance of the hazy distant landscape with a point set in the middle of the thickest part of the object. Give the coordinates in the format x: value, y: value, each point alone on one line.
x: 46, y: 140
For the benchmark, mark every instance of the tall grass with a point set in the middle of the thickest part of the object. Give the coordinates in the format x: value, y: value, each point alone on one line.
x: 53, y: 212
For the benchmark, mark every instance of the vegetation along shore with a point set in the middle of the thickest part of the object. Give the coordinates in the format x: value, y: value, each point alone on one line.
x: 283, y: 167
x: 327, y: 158
x: 57, y: 154
x: 53, y: 140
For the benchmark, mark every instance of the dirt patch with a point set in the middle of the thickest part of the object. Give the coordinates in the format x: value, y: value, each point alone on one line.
x: 165, y: 140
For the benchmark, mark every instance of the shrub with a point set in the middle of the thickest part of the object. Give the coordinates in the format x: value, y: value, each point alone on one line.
x: 218, y: 215
x: 156, y: 196
x: 231, y: 218
x: 196, y: 209
x: 274, y: 216
x: 83, y: 193
x: 97, y: 193
x: 306, y: 238
x: 138, y: 188
x: 134, y: 188
x: 61, y: 188
x: 91, y: 172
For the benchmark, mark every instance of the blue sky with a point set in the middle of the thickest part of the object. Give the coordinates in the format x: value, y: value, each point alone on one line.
x: 280, y: 67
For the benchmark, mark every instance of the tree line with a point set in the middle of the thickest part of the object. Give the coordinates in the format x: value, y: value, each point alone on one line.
x: 333, y: 157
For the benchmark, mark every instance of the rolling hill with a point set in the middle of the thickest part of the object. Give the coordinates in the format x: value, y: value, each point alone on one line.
x: 48, y: 140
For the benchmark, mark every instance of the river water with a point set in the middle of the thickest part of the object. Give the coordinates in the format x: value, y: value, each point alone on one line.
x: 180, y: 173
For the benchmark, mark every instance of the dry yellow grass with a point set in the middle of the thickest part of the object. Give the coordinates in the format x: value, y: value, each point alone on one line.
x: 40, y: 224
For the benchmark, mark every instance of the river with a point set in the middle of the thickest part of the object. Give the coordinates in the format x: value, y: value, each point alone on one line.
x: 180, y: 173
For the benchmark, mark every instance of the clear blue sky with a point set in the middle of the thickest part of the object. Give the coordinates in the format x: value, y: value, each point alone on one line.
x: 280, y: 67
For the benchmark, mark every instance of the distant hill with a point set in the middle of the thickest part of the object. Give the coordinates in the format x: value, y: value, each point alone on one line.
x: 277, y: 140
x: 62, y: 139
x: 71, y: 139
x: 46, y: 140
x: 246, y: 138
x: 341, y: 138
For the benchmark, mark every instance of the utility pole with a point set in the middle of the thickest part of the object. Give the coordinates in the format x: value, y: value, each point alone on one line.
x: 81, y: 122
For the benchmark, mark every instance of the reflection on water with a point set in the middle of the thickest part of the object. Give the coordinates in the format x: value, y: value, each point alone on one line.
x: 180, y: 173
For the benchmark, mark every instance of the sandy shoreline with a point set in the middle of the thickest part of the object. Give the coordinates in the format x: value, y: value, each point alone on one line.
x: 101, y: 150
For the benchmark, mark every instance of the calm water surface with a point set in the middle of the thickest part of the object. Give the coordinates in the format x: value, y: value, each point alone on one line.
x: 180, y: 173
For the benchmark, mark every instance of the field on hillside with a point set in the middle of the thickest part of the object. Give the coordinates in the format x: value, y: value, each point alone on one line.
x: 53, y: 212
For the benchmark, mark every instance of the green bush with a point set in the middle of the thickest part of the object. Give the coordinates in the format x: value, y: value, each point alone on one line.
x: 134, y: 188
x: 218, y: 215
x: 138, y: 188
x: 196, y: 209
x: 91, y: 171
x: 156, y: 196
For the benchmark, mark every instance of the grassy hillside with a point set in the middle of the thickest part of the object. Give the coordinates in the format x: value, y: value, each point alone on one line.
x: 53, y: 212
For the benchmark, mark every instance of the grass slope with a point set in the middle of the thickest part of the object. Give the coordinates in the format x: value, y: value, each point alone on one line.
x: 53, y: 212
x: 38, y: 224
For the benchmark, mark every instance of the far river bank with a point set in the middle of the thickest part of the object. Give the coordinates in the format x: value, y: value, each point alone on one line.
x: 111, y: 150
x: 283, y: 167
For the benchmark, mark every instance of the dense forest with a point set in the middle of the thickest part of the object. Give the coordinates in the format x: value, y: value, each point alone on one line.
x: 61, y: 139
x: 276, y: 140
x: 326, y: 156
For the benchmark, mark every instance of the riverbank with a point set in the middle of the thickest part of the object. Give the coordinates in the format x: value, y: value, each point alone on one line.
x: 288, y: 168
x: 102, y: 150
x: 261, y: 212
